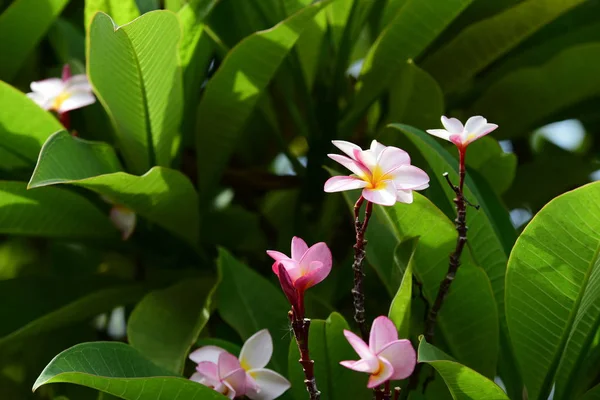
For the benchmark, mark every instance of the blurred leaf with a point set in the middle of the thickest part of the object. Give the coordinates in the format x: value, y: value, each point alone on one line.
x: 46, y: 304
x: 463, y: 382
x: 119, y: 369
x: 135, y: 73
x: 234, y: 228
x: 167, y: 322
x: 483, y: 42
x: 121, y: 11
x: 249, y: 302
x: 413, y: 28
x: 24, y: 127
x: 162, y: 195
x: 565, y: 80
x: 553, y: 291
x: 16, y: 255
x: 50, y: 212
x: 592, y: 394
x: 147, y: 5
x: 22, y: 25
x: 328, y: 347
x: 488, y: 159
x: 234, y: 90
x: 67, y: 40
x: 309, y: 46
x: 400, y: 307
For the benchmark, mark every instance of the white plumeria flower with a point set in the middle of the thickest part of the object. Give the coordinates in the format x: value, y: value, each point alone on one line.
x: 460, y: 135
x: 261, y: 383
x: 61, y: 95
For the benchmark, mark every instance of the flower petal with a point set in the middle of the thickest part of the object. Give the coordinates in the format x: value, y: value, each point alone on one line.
x: 230, y: 371
x: 317, y: 252
x: 368, y: 159
x: 452, y: 125
x: 391, y: 158
x: 361, y: 348
x: 384, y: 195
x: 441, y: 133
x: 124, y: 219
x: 208, y: 370
x: 383, y: 332
x: 474, y: 124
x: 404, y: 196
x: 377, y: 148
x: 41, y: 100
x: 402, y: 356
x: 78, y: 82
x: 257, y: 350
x: 349, y: 148
x: 362, y: 365
x: 206, y: 354
x: 299, y: 247
x: 341, y: 183
x: 287, y: 285
x: 196, y: 377
x: 385, y: 372
x: 316, y: 274
x: 409, y: 177
x: 271, y: 385
x: 51, y: 87
x: 76, y: 100
x: 360, y: 170
x: 227, y: 364
x: 276, y: 255
x: 226, y: 389
x: 484, y: 130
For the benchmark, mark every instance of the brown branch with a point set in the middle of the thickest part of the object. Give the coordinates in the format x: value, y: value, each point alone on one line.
x: 301, y: 327
x: 357, y: 265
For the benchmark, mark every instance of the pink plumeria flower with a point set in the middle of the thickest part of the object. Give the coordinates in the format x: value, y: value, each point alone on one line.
x: 385, y: 358
x: 62, y: 95
x: 258, y: 383
x: 382, y: 172
x: 305, y: 268
x: 460, y: 135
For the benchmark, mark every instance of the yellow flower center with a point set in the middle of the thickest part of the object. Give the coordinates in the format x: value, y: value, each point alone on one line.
x: 59, y: 100
x: 375, y: 181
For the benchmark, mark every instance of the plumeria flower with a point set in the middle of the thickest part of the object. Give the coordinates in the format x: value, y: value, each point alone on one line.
x: 305, y: 268
x: 385, y: 358
x: 62, y: 95
x: 220, y: 370
x: 460, y: 135
x: 123, y: 218
x: 382, y: 172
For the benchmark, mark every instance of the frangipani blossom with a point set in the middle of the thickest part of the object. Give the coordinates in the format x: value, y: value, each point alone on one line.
x: 385, y: 358
x: 62, y: 95
x: 382, y: 172
x: 220, y: 370
x: 123, y: 218
x: 460, y: 135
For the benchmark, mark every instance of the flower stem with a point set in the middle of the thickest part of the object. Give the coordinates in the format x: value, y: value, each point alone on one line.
x: 301, y: 327
x: 357, y: 265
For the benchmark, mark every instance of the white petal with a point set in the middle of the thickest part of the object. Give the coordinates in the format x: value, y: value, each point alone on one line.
x: 377, y: 148
x: 404, y: 196
x: 409, y: 177
x: 352, y: 165
x: 474, y: 124
x: 257, y: 350
x: 270, y: 385
x: 484, y: 130
x: 392, y: 158
x: 41, y: 100
x: 341, y: 183
x: 206, y: 353
x: 124, y: 219
x: 441, y: 133
x: 385, y: 194
x: 368, y: 159
x: 78, y: 83
x: 48, y: 87
x: 452, y: 125
x: 349, y: 148
x: 76, y: 100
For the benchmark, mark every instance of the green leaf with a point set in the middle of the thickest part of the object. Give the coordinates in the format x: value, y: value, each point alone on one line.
x: 249, y: 303
x: 414, y: 27
x: 120, y: 370
x: 400, y: 307
x: 50, y: 212
x: 482, y: 43
x: 565, y: 80
x: 463, y: 382
x: 592, y: 394
x: 135, y: 73
x: 121, y: 11
x: 45, y: 304
x: 233, y: 92
x: 22, y: 26
x: 328, y: 347
x: 162, y: 195
x: 166, y: 323
x: 24, y: 127
x: 488, y: 159
x: 553, y: 291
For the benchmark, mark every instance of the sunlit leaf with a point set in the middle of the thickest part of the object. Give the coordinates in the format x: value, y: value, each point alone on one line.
x: 121, y: 11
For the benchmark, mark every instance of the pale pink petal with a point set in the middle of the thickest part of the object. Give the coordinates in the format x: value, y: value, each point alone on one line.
x: 76, y: 100
x: 257, y: 350
x: 196, y: 377
x: 48, y: 87
x: 392, y: 158
x: 402, y: 356
x: 484, y: 130
x: 123, y: 219
x: 316, y: 274
x: 349, y: 148
x: 457, y: 140
x: 276, y: 255
x: 383, y: 332
x: 409, y: 177
x: 354, y: 166
x: 422, y: 187
x: 251, y: 385
x: 377, y: 148
x: 317, y: 252
x: 236, y: 380
x: 404, y: 196
x: 288, y: 263
x: 361, y: 348
x: 452, y: 125
x: 368, y: 159
x: 227, y: 364
x: 78, y: 83
x: 208, y: 370
x: 294, y: 272
x: 474, y: 124
x: 441, y: 133
x: 299, y: 247
x: 226, y: 389
x: 41, y: 100
x: 270, y: 384
x: 341, y: 183
x: 206, y: 354
x: 385, y: 373
x: 384, y: 195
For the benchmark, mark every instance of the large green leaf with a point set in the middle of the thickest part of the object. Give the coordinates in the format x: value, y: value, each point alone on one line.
x: 401, y: 304
x: 233, y: 92
x: 50, y: 212
x: 416, y: 24
x: 45, y: 304
x: 553, y: 291
x: 483, y: 42
x: 121, y: 11
x: 22, y: 25
x: 120, y: 370
x: 24, y: 127
x: 135, y: 72
x: 249, y: 303
x: 328, y: 347
x: 592, y: 394
x: 167, y: 322
x: 489, y: 160
x: 565, y: 80
x: 463, y: 382
x: 162, y: 195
